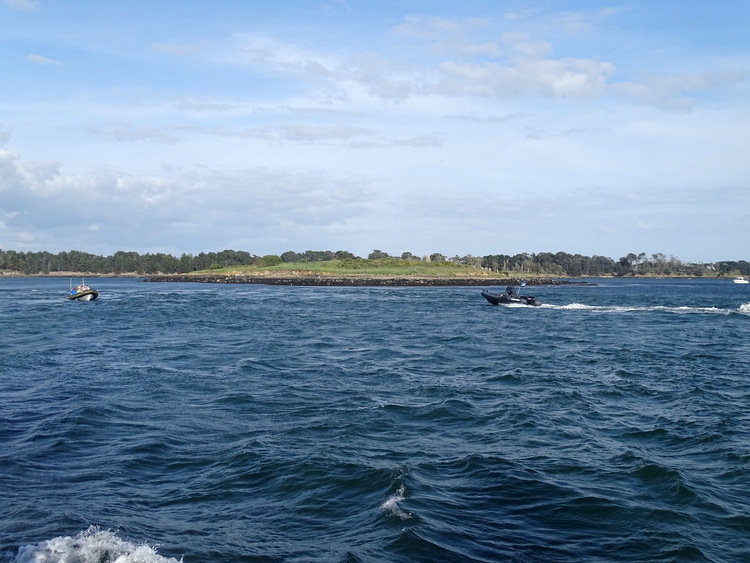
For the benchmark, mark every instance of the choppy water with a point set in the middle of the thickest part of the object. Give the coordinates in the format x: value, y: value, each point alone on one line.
x: 253, y: 423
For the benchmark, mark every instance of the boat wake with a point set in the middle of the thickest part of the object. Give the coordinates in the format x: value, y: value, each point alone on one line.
x: 743, y: 309
x: 90, y: 545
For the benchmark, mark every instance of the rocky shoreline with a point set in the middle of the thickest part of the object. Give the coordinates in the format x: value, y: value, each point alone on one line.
x: 360, y: 281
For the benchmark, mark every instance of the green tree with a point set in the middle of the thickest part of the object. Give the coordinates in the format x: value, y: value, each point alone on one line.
x: 291, y: 256
x: 269, y: 260
x: 343, y: 255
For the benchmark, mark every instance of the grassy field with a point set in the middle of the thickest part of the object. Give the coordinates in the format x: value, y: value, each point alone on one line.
x: 384, y: 267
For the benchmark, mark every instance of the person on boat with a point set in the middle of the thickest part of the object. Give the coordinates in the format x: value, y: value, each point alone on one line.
x: 79, y: 289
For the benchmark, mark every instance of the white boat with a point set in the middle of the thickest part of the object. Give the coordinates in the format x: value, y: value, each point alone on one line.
x: 740, y: 280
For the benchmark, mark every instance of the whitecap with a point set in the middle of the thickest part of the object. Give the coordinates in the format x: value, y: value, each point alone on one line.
x: 391, y: 504
x: 90, y: 546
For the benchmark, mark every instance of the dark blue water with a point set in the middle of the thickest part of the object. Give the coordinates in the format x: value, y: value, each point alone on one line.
x: 252, y: 423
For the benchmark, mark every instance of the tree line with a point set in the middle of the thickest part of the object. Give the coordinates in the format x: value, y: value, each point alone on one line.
x: 559, y: 264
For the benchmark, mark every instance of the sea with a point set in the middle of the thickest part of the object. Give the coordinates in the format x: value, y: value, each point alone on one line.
x: 197, y: 422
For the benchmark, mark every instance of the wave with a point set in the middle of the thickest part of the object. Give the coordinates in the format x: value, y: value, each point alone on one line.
x: 102, y: 546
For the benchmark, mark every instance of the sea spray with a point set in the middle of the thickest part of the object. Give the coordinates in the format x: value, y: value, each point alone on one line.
x: 90, y: 546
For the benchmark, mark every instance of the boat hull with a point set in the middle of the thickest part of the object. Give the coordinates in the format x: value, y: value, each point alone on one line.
x: 506, y: 299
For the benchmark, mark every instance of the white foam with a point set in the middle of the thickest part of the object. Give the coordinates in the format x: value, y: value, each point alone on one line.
x: 579, y: 306
x: 745, y: 308
x: 391, y: 504
x: 626, y: 309
x: 91, y: 546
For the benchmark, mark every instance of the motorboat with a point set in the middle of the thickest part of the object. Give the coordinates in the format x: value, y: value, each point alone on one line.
x: 510, y: 296
x: 740, y: 280
x: 82, y: 292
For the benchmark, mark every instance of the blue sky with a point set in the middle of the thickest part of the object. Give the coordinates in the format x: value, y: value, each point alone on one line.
x: 479, y: 127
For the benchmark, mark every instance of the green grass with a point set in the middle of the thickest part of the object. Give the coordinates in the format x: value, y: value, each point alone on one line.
x: 381, y: 267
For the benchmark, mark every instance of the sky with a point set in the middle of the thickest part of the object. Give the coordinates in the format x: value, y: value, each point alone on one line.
x: 460, y: 128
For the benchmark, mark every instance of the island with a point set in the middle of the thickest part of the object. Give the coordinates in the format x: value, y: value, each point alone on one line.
x: 358, y: 280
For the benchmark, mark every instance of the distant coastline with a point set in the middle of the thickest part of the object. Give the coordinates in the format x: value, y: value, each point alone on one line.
x: 559, y: 265
x: 543, y: 265
x: 358, y: 280
x: 92, y: 275
x: 313, y: 279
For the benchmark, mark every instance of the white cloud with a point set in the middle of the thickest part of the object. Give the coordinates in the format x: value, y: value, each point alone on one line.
x: 567, y: 78
x: 515, y: 64
x: 198, y: 105
x: 448, y: 36
x: 522, y: 46
x: 297, y: 132
x: 310, y: 133
x: 424, y: 141
x: 255, y: 49
x: 22, y: 5
x: 127, y: 133
x: 43, y: 61
x: 477, y: 69
x: 379, y: 77
x: 672, y: 91
x: 433, y: 28
x: 39, y: 197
